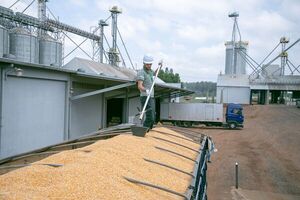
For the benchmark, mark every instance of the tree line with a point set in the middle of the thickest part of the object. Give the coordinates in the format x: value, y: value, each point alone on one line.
x: 169, y: 76
x: 203, y: 88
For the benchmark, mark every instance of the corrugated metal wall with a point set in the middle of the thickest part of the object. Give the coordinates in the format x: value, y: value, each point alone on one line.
x: 33, y: 114
x: 228, y: 94
x: 133, y: 104
x: 36, y: 111
x: 86, y: 114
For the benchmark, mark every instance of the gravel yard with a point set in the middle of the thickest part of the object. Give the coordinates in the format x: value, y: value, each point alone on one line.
x: 267, y: 151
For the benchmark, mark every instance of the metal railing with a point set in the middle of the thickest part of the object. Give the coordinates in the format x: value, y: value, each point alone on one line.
x: 197, y: 188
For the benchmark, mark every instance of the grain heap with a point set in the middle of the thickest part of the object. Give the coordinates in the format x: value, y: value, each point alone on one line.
x: 97, y: 171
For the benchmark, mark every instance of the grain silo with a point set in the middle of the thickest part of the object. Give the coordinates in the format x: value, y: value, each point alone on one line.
x: 24, y: 45
x: 235, y: 64
x: 50, y: 51
x: 3, y: 41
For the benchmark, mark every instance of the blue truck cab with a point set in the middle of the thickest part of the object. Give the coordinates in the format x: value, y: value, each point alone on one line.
x: 234, y: 116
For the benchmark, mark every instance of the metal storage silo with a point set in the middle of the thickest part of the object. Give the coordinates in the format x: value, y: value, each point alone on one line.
x: 228, y: 58
x: 239, y: 66
x: 24, y: 45
x: 3, y: 41
x: 50, y: 51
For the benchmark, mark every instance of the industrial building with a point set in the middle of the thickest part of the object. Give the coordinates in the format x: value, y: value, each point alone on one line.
x: 43, y: 102
x: 268, y: 83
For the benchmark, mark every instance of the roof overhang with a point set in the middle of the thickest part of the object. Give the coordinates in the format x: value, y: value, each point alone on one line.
x: 62, y: 70
x: 161, y: 90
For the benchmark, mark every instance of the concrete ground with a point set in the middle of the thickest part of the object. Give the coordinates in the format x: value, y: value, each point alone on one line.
x: 267, y: 150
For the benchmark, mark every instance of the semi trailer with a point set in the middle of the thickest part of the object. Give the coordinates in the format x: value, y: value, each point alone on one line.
x: 209, y: 114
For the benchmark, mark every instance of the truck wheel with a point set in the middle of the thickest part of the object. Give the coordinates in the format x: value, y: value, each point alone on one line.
x: 187, y: 124
x: 178, y: 123
x: 232, y: 125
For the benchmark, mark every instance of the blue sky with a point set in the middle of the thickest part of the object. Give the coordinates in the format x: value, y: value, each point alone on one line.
x: 188, y: 34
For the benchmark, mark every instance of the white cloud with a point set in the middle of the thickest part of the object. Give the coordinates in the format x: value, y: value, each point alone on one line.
x: 199, y: 33
x: 212, y: 55
x: 158, y: 23
x: 78, y: 2
x: 131, y: 27
x: 150, y: 46
x: 178, y: 47
x: 268, y: 22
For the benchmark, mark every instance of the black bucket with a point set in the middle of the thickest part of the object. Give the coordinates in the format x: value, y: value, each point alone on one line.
x: 139, y: 131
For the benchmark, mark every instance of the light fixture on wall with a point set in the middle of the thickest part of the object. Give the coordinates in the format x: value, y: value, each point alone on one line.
x: 19, y: 71
x: 12, y: 69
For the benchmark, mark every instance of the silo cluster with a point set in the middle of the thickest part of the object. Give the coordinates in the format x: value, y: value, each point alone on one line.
x: 20, y: 44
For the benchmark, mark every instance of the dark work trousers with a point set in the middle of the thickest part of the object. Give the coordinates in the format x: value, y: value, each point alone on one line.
x: 150, y: 111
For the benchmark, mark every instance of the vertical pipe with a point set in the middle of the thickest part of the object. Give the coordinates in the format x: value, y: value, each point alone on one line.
x: 67, y: 109
x: 126, y: 106
x: 41, y: 14
x: 233, y: 48
x: 1, y: 106
x: 101, y: 44
x: 282, y: 59
x: 236, y: 175
x: 104, y: 109
x: 102, y: 23
x: 114, y: 30
x: 113, y: 51
x: 250, y: 100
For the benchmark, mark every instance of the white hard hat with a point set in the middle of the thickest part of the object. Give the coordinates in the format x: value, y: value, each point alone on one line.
x: 148, y: 59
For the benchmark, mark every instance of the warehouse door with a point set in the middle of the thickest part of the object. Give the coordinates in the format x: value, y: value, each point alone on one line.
x: 114, y: 111
x: 33, y: 114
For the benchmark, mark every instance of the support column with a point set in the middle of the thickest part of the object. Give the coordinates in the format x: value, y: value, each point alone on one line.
x: 267, y: 97
x: 250, y: 101
x: 126, y: 107
x: 113, y: 53
x: 102, y: 23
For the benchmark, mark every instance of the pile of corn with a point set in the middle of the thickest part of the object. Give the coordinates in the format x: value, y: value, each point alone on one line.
x: 97, y: 171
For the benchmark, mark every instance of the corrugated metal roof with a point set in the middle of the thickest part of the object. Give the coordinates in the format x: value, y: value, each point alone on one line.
x: 287, y: 79
x: 176, y: 85
x: 92, y: 67
x: 89, y: 66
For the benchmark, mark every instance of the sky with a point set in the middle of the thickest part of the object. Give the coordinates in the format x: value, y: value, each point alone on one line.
x: 189, y: 35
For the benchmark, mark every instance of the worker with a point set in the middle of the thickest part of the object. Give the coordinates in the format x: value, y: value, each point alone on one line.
x: 144, y: 83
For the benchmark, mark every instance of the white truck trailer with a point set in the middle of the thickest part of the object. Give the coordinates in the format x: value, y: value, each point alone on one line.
x: 210, y: 114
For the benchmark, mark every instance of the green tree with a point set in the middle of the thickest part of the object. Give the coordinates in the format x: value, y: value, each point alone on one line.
x: 168, y: 76
x: 177, y: 78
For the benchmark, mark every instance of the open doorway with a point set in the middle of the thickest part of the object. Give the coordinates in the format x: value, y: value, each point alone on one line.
x: 114, y: 111
x: 157, y: 110
x: 258, y: 97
